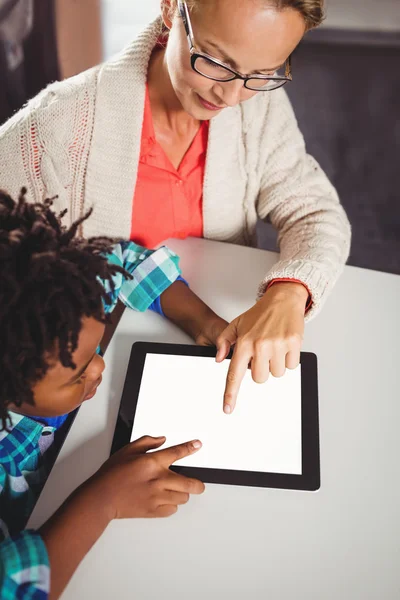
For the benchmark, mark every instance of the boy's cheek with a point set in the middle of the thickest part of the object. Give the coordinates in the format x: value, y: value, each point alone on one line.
x: 54, y: 404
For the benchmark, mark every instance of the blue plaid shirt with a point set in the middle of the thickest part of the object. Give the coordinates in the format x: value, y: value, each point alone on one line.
x: 26, y: 449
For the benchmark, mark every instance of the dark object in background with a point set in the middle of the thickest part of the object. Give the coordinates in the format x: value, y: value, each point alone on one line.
x: 345, y: 92
x: 28, y: 51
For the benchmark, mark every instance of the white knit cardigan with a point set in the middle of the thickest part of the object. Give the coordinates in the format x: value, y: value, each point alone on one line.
x: 79, y: 140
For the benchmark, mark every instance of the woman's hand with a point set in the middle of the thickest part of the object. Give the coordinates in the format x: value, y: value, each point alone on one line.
x: 267, y: 338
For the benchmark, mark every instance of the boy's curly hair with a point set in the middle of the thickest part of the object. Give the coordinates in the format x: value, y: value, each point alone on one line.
x: 49, y: 281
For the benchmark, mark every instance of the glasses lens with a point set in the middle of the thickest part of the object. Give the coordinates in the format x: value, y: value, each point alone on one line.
x: 264, y: 86
x: 211, y: 69
x: 268, y: 85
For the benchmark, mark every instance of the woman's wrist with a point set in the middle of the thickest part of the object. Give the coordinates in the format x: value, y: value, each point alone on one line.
x: 288, y: 290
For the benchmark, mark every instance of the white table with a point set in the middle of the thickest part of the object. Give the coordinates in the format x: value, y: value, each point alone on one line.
x: 341, y: 543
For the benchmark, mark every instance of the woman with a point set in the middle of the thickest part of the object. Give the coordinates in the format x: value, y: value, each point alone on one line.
x: 189, y: 132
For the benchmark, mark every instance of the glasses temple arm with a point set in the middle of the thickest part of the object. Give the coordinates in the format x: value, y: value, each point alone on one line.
x: 183, y: 9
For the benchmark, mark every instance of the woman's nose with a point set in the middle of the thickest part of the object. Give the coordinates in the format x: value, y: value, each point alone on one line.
x: 95, y: 368
x: 231, y: 93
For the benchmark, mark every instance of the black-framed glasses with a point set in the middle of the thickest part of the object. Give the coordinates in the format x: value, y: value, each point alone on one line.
x: 214, y: 69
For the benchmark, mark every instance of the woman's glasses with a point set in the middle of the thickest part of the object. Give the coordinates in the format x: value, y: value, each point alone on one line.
x: 216, y: 70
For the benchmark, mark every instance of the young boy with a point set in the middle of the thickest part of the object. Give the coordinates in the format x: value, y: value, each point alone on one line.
x: 55, y: 291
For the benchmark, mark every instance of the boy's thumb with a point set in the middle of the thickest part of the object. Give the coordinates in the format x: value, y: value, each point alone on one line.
x: 146, y: 443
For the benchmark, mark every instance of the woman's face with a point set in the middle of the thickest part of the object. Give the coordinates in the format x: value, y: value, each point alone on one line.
x: 247, y: 35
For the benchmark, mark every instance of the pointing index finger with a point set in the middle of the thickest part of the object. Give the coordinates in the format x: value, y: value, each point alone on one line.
x: 236, y: 372
x: 170, y: 455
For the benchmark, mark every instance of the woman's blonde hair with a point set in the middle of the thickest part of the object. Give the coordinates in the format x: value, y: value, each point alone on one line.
x: 312, y: 11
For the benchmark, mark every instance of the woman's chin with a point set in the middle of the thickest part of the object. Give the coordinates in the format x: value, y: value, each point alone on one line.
x: 192, y: 106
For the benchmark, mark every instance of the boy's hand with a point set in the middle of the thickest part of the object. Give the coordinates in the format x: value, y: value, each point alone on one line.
x: 212, y: 329
x: 136, y: 484
x: 130, y: 484
x: 181, y: 306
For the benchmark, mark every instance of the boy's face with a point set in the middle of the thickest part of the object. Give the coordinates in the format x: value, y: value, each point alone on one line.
x: 63, y: 389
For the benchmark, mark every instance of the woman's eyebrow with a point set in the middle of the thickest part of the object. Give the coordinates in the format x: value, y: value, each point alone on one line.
x: 233, y: 63
x: 79, y: 373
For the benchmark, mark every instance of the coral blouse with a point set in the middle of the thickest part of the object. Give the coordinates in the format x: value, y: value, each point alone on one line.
x: 168, y: 202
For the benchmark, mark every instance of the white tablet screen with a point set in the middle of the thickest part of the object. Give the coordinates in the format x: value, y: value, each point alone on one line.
x: 181, y: 397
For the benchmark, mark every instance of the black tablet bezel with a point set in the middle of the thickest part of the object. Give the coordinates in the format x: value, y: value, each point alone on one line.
x: 309, y: 480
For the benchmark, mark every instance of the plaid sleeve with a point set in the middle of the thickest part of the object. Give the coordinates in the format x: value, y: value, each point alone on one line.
x: 24, y: 567
x: 153, y: 271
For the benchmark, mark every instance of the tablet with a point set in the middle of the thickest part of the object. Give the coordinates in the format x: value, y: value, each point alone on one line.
x: 270, y: 440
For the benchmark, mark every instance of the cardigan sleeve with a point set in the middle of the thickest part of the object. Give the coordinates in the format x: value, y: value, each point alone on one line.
x: 302, y: 205
x: 45, y: 145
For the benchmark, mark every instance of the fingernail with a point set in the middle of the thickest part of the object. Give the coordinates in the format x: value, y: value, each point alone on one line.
x: 196, y: 445
x: 227, y: 409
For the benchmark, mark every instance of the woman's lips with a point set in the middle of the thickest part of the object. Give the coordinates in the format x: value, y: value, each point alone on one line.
x: 94, y: 389
x: 208, y: 105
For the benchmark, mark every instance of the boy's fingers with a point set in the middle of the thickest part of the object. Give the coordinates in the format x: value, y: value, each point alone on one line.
x: 170, y: 455
x: 187, y: 485
x: 167, y: 510
x: 172, y: 497
x: 146, y: 443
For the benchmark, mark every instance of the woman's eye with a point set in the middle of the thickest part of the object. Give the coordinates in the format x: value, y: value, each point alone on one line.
x: 212, y: 65
x: 81, y: 379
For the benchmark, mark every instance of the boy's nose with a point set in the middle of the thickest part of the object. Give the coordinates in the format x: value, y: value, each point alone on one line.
x: 95, y: 368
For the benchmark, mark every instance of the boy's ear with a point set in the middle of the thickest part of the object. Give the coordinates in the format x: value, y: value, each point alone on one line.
x: 167, y: 10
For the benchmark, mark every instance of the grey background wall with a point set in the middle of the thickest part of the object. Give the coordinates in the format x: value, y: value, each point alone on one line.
x: 381, y: 15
